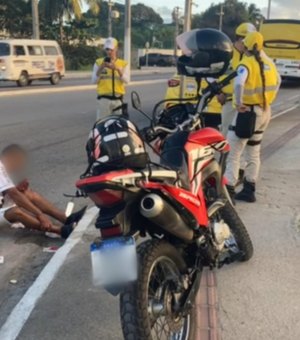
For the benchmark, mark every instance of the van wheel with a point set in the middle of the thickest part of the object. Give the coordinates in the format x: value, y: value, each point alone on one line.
x: 55, y: 78
x: 23, y: 79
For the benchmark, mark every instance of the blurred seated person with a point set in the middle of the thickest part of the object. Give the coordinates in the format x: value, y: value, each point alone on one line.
x: 20, y: 204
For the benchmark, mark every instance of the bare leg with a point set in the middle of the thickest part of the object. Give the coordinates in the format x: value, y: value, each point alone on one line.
x: 44, y: 205
x: 16, y: 214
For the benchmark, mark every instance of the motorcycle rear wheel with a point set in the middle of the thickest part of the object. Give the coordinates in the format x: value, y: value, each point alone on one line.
x: 158, y: 263
x: 239, y: 231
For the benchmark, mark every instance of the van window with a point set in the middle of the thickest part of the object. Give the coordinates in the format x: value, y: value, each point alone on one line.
x: 50, y: 50
x: 35, y: 50
x: 19, y: 50
x: 4, y: 49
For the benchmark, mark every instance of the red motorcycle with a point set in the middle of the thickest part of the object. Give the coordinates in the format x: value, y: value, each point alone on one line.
x: 162, y: 224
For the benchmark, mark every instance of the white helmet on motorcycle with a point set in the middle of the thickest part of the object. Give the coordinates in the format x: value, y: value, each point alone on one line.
x: 114, y: 143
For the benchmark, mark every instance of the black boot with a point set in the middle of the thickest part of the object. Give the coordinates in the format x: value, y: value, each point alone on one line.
x: 248, y: 193
x: 231, y: 192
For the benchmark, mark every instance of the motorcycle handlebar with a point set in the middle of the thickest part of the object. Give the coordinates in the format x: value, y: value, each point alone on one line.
x: 216, y: 87
x: 213, y: 89
x: 153, y: 132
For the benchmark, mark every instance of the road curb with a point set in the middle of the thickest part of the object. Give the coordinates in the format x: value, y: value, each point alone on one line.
x: 74, y: 88
x: 207, y: 308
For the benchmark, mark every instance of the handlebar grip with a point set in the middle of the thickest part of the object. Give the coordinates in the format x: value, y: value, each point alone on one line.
x: 148, y: 134
x: 216, y: 87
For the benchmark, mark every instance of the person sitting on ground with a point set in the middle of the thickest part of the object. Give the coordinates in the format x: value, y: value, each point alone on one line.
x: 19, y: 204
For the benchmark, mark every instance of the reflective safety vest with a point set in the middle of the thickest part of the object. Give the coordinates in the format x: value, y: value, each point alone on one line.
x: 236, y: 58
x: 190, y: 91
x: 108, y: 84
x: 253, y: 89
x: 214, y: 105
x: 235, y: 61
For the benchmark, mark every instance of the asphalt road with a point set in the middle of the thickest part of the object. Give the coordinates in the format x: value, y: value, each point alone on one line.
x: 54, y: 127
x: 84, y: 80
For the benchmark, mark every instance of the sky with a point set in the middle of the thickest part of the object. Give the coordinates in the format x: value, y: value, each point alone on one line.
x: 280, y: 8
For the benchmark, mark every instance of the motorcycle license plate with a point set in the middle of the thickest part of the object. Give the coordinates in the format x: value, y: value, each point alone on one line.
x: 114, y: 261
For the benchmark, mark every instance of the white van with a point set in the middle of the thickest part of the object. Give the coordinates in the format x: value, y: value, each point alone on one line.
x: 24, y: 60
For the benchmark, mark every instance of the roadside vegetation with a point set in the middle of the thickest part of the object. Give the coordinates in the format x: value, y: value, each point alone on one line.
x: 78, y: 25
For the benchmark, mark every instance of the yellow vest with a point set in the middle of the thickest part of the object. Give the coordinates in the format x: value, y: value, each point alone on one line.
x: 190, y: 91
x: 253, y: 90
x: 213, y: 106
x: 236, y: 59
x: 105, y: 83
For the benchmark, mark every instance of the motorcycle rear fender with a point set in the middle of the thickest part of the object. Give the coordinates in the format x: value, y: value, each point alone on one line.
x: 213, y: 170
x: 121, y: 215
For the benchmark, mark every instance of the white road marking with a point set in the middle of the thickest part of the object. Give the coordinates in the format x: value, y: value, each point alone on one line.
x: 20, y: 314
x: 74, y: 88
x: 287, y: 99
x: 281, y: 113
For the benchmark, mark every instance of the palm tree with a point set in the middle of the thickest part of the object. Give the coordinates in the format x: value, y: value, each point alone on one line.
x: 57, y: 10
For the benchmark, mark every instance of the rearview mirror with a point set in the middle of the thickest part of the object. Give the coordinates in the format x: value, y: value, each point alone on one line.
x: 135, y: 100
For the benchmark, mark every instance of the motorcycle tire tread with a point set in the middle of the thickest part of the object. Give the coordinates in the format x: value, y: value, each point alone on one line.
x: 239, y: 230
x: 133, y: 309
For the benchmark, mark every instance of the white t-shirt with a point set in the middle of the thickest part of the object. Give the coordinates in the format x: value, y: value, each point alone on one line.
x: 5, y: 184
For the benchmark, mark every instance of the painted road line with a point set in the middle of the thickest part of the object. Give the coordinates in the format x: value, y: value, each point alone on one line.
x: 20, y: 314
x: 281, y: 113
x: 74, y: 88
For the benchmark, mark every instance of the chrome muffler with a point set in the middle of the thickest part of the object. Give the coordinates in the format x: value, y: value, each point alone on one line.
x: 162, y: 214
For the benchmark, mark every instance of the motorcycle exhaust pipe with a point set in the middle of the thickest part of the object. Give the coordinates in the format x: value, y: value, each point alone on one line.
x: 165, y: 216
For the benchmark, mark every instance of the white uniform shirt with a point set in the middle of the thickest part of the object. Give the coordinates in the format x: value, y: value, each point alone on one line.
x: 5, y: 184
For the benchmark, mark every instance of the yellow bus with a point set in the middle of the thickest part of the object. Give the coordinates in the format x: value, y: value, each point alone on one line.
x: 282, y: 44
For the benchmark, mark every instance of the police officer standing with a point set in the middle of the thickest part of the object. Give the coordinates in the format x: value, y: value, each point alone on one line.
x: 255, y: 88
x: 238, y: 51
x: 110, y: 74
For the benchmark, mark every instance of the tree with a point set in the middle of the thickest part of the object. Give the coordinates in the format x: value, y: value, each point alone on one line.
x: 144, y: 16
x: 15, y: 18
x: 255, y: 15
x: 57, y: 10
x: 235, y: 13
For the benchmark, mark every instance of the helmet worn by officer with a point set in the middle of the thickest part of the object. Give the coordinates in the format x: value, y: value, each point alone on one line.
x: 114, y: 144
x: 206, y: 53
x: 243, y: 29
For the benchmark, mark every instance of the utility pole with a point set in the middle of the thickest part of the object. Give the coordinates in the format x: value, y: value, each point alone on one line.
x: 127, y: 34
x: 186, y: 27
x: 187, y: 15
x: 109, y: 21
x: 35, y: 19
x: 221, y: 14
x: 269, y: 9
x: 176, y: 19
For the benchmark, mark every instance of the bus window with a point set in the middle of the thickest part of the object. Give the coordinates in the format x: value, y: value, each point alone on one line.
x: 4, y: 49
x: 50, y: 50
x: 35, y: 50
x: 19, y: 50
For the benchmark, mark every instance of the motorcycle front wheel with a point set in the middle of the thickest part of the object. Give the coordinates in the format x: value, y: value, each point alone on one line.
x: 147, y: 306
x: 239, y: 231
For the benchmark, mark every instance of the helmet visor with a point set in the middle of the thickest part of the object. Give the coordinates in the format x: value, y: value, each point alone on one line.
x: 187, y: 42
